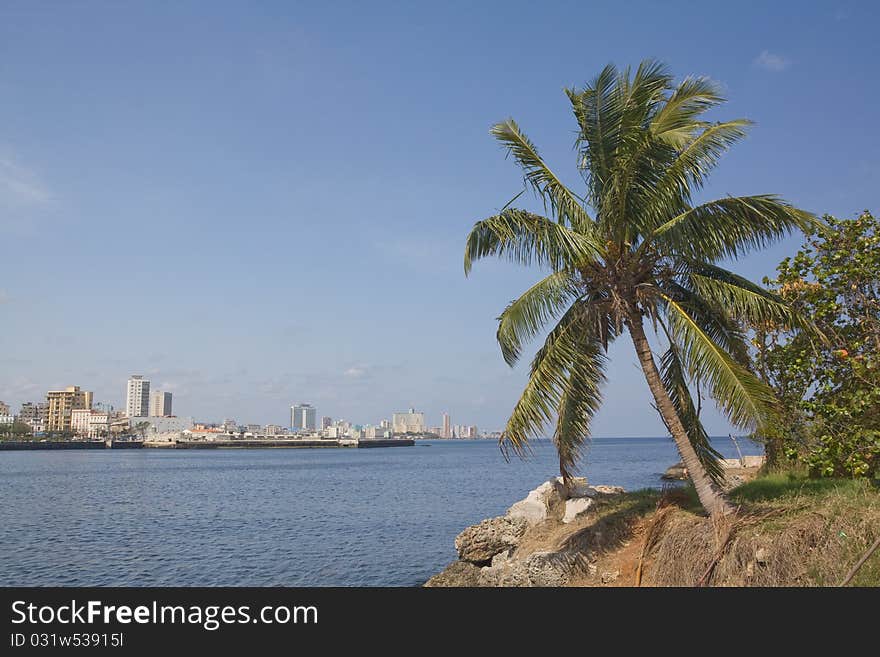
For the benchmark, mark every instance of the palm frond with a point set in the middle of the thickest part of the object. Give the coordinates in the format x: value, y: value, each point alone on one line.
x: 527, y: 315
x: 748, y: 402
x: 713, y: 318
x: 598, y: 118
x: 743, y: 299
x: 564, y: 371
x: 676, y: 122
x: 729, y: 227
x: 526, y: 238
x: 562, y: 202
x: 695, y: 155
x: 675, y: 381
x: 580, y: 400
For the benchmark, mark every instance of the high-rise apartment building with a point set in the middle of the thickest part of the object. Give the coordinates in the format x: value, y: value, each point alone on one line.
x: 160, y: 404
x: 61, y: 403
x: 303, y: 417
x: 137, y: 397
x: 410, y: 422
x: 326, y: 421
x: 446, y: 431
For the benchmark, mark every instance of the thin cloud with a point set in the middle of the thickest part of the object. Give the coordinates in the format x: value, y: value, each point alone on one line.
x: 356, y: 372
x: 771, y: 62
x: 21, y: 186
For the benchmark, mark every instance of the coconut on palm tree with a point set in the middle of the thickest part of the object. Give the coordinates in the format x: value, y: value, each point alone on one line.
x: 631, y: 250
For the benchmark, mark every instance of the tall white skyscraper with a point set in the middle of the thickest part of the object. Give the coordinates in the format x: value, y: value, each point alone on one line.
x: 160, y: 404
x: 303, y: 417
x: 137, y: 397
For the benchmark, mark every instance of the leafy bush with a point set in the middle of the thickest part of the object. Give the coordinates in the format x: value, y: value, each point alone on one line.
x: 830, y: 390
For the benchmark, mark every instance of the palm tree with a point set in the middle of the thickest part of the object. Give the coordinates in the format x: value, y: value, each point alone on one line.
x: 635, y: 249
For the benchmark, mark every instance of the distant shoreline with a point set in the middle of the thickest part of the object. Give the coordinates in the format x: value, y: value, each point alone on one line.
x: 29, y: 445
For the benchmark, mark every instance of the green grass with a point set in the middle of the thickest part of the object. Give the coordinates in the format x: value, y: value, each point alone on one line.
x: 784, y: 486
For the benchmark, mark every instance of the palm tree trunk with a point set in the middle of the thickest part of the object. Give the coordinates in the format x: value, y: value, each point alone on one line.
x: 710, y: 495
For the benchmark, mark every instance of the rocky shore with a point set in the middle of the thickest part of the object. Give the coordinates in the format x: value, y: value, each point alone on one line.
x: 583, y: 536
x: 536, y: 543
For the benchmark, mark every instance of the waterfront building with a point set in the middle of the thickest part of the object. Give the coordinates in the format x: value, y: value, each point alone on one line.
x: 4, y: 408
x: 60, y: 405
x: 447, y: 430
x: 303, y: 417
x: 157, y: 425
x: 160, y: 404
x: 137, y: 397
x: 409, y: 422
x: 376, y: 432
x: 90, y: 423
x: 332, y: 432
x: 6, y: 418
x: 35, y: 415
x: 326, y: 421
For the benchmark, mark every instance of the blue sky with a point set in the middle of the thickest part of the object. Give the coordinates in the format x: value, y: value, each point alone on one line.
x: 260, y: 203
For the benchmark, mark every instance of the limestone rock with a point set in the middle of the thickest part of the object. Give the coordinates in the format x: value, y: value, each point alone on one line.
x: 609, y: 490
x: 676, y: 472
x: 575, y: 507
x: 479, y: 543
x: 538, y: 569
x: 458, y: 573
x: 536, y: 506
x: 553, y: 568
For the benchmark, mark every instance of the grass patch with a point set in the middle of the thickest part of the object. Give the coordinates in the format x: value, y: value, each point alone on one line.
x: 784, y: 486
x: 791, y: 531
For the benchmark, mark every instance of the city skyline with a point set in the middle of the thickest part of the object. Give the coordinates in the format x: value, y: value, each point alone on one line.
x: 58, y: 413
x: 242, y: 212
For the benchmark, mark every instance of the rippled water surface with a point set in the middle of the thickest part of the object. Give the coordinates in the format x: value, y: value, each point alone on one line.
x: 273, y: 517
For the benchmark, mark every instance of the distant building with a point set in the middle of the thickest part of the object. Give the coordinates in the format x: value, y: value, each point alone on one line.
x: 465, y: 431
x: 160, y: 404
x: 303, y: 417
x: 410, y: 422
x: 60, y: 405
x: 159, y: 425
x: 35, y: 415
x: 332, y: 432
x: 4, y: 408
x: 446, y: 431
x: 137, y: 397
x: 376, y: 432
x: 326, y: 421
x: 89, y: 423
x: 273, y: 430
x: 6, y: 418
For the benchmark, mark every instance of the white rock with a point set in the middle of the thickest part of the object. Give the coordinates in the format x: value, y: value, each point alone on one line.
x: 535, y: 507
x: 575, y: 507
